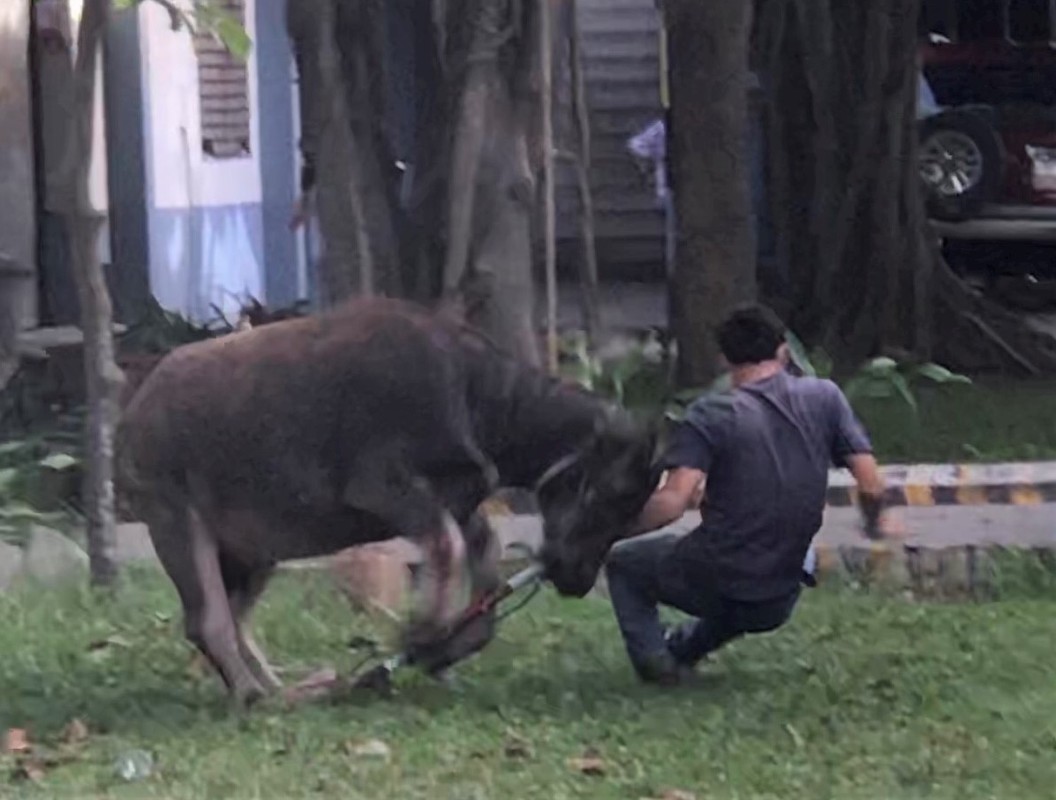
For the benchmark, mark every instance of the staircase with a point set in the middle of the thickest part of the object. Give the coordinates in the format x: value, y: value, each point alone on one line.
x: 621, y: 51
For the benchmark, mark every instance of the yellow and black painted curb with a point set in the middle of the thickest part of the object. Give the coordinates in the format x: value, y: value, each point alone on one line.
x: 1017, y: 484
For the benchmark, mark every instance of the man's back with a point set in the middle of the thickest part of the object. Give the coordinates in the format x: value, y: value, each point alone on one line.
x: 766, y: 448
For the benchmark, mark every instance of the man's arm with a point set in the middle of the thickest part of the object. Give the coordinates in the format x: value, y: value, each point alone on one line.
x: 852, y: 449
x: 871, y: 487
x: 670, y: 501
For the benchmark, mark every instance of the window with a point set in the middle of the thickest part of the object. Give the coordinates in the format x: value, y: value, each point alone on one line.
x: 223, y: 91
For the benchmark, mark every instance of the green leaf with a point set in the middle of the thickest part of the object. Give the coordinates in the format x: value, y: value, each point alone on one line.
x: 902, y: 387
x: 8, y: 479
x: 20, y: 512
x: 882, y: 366
x: 854, y: 388
x: 799, y: 354
x: 59, y: 462
x: 939, y: 374
x: 234, y: 37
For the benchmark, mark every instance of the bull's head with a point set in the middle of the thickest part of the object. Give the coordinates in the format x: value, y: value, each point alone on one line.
x: 590, y: 498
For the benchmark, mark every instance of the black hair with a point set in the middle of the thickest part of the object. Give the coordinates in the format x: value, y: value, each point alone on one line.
x: 750, y: 334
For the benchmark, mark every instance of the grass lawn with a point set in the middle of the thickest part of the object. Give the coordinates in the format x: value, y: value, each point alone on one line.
x: 860, y: 697
x: 988, y: 421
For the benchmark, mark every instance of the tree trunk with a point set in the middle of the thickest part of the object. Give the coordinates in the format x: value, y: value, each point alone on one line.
x: 715, y: 259
x: 588, y: 270
x: 865, y: 272
x: 104, y: 378
x: 492, y: 69
x: 336, y: 49
x: 467, y: 229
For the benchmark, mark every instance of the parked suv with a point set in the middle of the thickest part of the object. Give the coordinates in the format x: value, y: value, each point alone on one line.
x: 991, y: 66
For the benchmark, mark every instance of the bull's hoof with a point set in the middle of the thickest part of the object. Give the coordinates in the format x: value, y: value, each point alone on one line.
x: 378, y: 679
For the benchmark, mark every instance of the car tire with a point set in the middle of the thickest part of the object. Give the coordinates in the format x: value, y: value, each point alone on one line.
x: 961, y: 163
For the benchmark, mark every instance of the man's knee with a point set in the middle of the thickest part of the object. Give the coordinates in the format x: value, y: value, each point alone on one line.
x: 768, y: 617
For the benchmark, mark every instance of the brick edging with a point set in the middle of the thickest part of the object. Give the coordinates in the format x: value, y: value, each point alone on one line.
x: 954, y: 571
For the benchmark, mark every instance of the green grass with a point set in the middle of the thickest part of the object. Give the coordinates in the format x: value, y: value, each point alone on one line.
x: 859, y: 697
x: 988, y: 421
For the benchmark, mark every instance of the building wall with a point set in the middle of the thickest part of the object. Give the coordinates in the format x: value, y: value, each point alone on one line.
x: 205, y: 218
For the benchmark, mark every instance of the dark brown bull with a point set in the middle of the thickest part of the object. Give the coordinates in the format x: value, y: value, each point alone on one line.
x: 373, y: 421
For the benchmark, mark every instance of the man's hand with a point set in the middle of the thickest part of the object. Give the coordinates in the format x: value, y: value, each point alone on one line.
x: 871, y: 491
x: 680, y: 492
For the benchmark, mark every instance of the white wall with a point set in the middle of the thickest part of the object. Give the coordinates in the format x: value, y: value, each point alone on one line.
x: 204, y: 212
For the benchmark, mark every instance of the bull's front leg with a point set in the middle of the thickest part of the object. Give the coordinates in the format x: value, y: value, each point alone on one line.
x: 483, y: 553
x: 411, y: 507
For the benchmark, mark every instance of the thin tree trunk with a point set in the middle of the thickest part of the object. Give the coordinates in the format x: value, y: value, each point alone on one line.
x: 546, y: 100
x: 588, y: 271
x: 715, y: 261
x: 104, y: 378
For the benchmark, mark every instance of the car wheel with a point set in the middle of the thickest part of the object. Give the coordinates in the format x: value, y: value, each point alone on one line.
x: 960, y: 162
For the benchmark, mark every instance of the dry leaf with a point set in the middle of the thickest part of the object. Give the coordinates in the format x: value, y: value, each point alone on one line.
x: 673, y: 794
x: 75, y: 732
x: 371, y: 748
x: 109, y: 641
x: 590, y: 763
x: 29, y: 770
x: 317, y: 686
x: 517, y: 746
x: 16, y: 741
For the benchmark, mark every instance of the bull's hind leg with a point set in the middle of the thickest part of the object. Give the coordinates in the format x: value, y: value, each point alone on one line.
x: 244, y: 587
x: 189, y: 554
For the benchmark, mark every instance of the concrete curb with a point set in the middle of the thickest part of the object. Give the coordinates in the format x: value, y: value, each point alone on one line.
x: 1021, y: 484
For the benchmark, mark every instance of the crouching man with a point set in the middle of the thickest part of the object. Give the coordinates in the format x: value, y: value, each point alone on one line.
x: 762, y: 452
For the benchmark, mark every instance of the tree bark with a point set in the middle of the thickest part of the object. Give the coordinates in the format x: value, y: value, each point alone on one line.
x: 104, y: 378
x: 467, y: 228
x: 588, y: 271
x: 546, y: 137
x: 338, y: 57
x: 715, y: 260
x: 866, y: 273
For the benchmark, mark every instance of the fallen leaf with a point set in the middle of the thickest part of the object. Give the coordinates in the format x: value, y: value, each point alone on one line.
x: 16, y: 741
x: 673, y: 794
x: 28, y: 770
x: 517, y: 746
x: 75, y: 732
x: 371, y: 748
x: 317, y: 686
x: 198, y: 667
x: 590, y: 763
x: 109, y: 641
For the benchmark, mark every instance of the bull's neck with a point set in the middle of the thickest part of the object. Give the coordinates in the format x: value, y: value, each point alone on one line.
x: 526, y: 421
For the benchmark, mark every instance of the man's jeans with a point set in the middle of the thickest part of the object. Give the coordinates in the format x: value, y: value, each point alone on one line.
x: 643, y: 572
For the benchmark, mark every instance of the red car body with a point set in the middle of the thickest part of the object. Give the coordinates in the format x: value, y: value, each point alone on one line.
x: 1013, y: 85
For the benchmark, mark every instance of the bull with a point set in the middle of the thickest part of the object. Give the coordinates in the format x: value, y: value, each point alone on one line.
x: 378, y: 419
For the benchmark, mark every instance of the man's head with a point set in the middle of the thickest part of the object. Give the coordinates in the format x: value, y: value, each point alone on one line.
x: 751, y: 335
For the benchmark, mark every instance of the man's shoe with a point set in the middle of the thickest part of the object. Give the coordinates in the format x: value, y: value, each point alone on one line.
x: 659, y: 668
